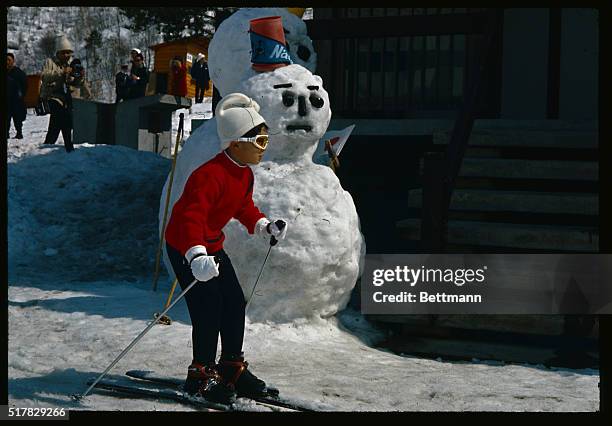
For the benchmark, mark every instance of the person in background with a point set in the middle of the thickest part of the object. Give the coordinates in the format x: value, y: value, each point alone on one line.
x: 178, y: 72
x: 139, y: 77
x: 16, y: 86
x: 199, y: 72
x: 133, y: 53
x: 58, y: 82
x: 83, y: 91
x: 122, y: 84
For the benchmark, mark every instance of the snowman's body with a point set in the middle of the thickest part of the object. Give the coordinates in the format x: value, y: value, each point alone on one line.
x: 314, y: 269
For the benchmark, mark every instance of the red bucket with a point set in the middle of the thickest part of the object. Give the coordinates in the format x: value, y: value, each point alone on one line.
x: 270, y: 31
x: 270, y: 26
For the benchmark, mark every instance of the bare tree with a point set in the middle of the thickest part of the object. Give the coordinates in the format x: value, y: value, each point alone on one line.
x: 46, y: 44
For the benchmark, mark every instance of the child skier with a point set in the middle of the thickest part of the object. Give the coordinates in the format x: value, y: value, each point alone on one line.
x: 217, y: 191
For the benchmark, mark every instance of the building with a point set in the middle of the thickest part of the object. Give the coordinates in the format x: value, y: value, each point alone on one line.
x: 476, y: 131
x: 186, y: 48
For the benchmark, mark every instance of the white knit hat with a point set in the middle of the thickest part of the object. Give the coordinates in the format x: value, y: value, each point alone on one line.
x: 200, y: 56
x: 137, y: 50
x: 236, y: 114
x: 62, y: 43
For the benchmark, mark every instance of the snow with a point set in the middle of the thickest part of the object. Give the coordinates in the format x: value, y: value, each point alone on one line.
x: 229, y: 52
x: 72, y: 313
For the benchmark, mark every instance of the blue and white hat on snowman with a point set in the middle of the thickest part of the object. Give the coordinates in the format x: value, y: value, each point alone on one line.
x: 268, y: 46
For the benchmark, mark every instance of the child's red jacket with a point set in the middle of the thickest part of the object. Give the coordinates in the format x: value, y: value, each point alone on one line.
x: 215, y: 192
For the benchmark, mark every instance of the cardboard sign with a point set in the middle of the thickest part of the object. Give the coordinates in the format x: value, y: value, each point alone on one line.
x: 337, y: 140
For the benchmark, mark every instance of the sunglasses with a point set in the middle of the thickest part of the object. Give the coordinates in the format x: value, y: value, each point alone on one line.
x: 260, y: 141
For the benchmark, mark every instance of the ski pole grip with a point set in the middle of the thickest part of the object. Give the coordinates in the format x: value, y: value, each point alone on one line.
x: 281, y: 224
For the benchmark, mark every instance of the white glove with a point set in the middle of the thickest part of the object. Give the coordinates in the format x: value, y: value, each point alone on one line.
x: 203, y: 267
x: 278, y: 228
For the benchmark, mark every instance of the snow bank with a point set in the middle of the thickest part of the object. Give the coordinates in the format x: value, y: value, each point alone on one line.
x: 84, y: 215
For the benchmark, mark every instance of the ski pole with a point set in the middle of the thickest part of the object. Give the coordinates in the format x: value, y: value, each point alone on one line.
x: 131, y: 345
x: 166, y: 319
x: 273, y: 242
x: 161, y: 237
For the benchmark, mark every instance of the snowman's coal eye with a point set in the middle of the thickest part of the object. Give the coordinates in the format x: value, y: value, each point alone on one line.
x: 288, y: 99
x: 316, y: 101
x: 303, y: 53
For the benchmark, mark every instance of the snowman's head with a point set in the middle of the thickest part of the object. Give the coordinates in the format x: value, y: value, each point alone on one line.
x: 296, y: 108
x: 229, y: 52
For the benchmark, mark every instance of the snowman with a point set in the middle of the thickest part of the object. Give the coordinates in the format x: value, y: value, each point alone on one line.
x: 229, y: 51
x: 313, y: 271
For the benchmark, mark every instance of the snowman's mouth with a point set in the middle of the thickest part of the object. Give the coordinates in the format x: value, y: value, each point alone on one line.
x: 296, y: 127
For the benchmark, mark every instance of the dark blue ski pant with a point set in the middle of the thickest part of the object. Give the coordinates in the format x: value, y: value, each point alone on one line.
x: 216, y: 307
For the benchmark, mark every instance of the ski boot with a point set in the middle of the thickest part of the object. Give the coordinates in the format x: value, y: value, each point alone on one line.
x: 235, y: 374
x: 206, y: 382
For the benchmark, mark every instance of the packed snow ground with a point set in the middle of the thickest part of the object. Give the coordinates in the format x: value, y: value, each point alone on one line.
x: 82, y: 242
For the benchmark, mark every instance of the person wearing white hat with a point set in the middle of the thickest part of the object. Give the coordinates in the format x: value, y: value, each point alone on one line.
x: 199, y: 72
x: 135, y: 51
x: 216, y: 192
x: 58, y: 82
x: 133, y: 54
x: 139, y: 78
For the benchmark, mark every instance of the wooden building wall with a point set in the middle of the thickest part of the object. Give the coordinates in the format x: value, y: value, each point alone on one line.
x: 33, y: 90
x: 165, y: 53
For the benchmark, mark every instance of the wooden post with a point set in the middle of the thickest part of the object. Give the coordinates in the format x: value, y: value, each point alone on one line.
x: 161, y: 237
x: 166, y: 320
x: 334, y: 163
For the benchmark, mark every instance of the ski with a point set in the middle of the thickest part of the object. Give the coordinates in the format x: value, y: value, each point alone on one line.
x: 177, y: 384
x: 168, y: 394
x: 177, y: 396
